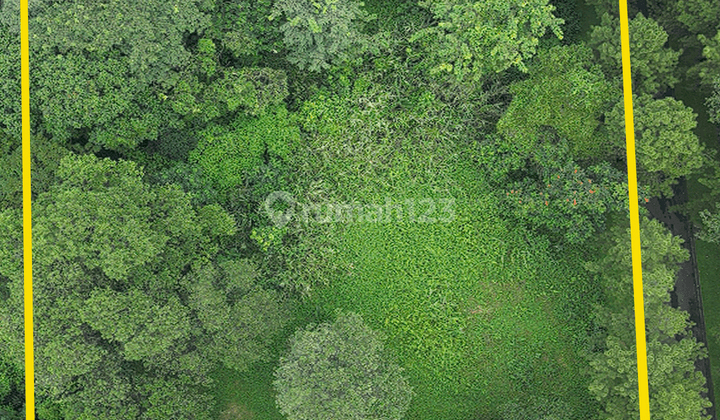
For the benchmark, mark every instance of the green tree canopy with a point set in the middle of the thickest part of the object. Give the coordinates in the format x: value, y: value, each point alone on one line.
x: 339, y: 371
x: 710, y: 68
x: 711, y: 225
x: 319, y: 33
x: 672, y: 350
x: 699, y: 16
x: 565, y: 91
x: 131, y: 314
x: 613, y: 7
x: 562, y: 199
x: 229, y: 153
x: 99, y: 66
x: 667, y: 147
x: 46, y: 156
x: 240, y: 27
x: 653, y: 64
x: 473, y: 40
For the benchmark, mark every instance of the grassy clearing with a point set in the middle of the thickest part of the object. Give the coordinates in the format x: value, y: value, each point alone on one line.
x: 472, y: 309
x: 478, y: 312
x: 246, y: 396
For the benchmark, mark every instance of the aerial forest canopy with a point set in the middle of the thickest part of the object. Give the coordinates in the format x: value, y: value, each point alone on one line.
x: 335, y: 209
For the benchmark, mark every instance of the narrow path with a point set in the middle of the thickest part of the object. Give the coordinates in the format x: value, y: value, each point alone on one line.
x: 686, y: 295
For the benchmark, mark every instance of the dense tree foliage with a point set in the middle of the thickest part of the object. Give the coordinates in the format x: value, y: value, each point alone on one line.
x: 340, y: 371
x: 132, y: 312
x: 227, y: 153
x: 672, y: 350
x: 558, y: 196
x: 321, y: 33
x: 667, y: 147
x: 472, y: 40
x: 445, y: 168
x: 653, y: 64
x: 699, y: 16
x: 112, y: 58
x: 240, y: 28
x: 711, y: 225
x: 612, y: 7
x: 564, y: 91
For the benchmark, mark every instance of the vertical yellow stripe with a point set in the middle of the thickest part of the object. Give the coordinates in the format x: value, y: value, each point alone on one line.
x: 27, y: 213
x: 634, y: 219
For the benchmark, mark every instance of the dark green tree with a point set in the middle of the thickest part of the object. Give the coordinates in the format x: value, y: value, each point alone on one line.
x: 251, y: 90
x: 666, y: 145
x: 11, y: 381
x: 675, y: 385
x: 709, y: 69
x: 129, y: 324
x: 100, y: 66
x: 46, y: 155
x: 241, y: 28
x: 612, y: 7
x: 560, y: 198
x: 473, y: 40
x: 699, y: 16
x: 340, y: 371
x: 653, y: 64
x: 321, y: 33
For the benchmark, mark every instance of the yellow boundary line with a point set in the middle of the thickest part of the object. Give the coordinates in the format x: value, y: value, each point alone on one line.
x: 644, y: 395
x: 27, y: 214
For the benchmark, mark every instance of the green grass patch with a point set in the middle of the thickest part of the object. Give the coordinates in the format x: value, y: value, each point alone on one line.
x: 246, y: 396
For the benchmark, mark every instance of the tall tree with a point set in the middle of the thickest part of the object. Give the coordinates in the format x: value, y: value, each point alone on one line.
x: 699, y: 16
x: 321, y: 33
x: 675, y: 385
x: 100, y: 66
x: 561, y: 198
x: 340, y: 371
x: 653, y: 64
x: 473, y: 40
x: 667, y: 147
x: 709, y: 69
x: 240, y: 28
x: 124, y: 293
